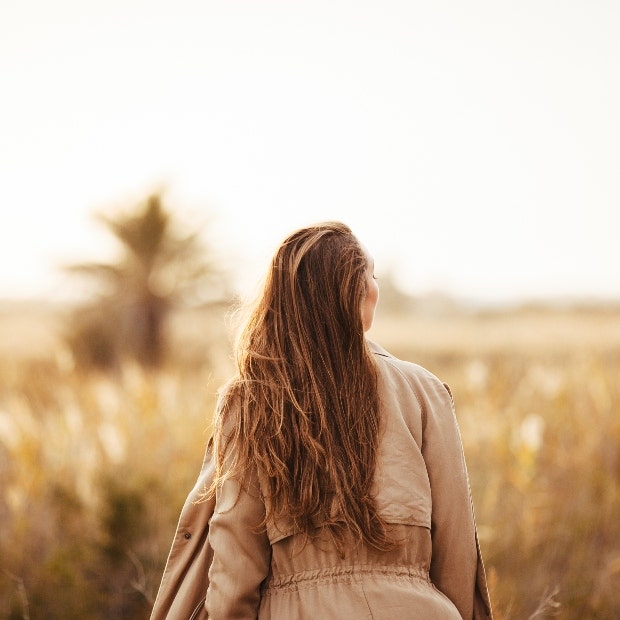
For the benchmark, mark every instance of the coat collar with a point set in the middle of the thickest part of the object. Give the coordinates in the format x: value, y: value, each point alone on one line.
x: 373, y: 347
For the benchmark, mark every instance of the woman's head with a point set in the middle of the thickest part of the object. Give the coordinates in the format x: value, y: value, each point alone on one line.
x: 321, y: 279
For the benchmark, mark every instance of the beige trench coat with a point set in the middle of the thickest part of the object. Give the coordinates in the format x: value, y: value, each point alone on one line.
x: 221, y: 567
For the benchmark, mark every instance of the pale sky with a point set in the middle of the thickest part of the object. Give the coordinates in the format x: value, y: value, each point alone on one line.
x: 473, y: 147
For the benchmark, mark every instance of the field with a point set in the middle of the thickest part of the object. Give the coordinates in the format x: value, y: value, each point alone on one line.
x: 94, y: 468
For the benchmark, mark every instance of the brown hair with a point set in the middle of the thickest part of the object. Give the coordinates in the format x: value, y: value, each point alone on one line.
x: 304, y: 408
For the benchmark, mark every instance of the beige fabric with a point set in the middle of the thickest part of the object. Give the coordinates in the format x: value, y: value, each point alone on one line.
x: 422, y: 490
x: 185, y: 580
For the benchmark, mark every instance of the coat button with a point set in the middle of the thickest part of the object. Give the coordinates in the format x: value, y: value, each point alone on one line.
x: 187, y: 535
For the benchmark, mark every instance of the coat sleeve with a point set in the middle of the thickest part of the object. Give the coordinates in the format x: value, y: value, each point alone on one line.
x: 456, y: 565
x: 241, y: 551
x: 184, y: 583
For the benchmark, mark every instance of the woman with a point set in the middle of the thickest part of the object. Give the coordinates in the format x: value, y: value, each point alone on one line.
x: 335, y: 485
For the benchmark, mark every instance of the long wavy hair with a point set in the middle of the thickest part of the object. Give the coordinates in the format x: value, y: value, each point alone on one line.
x: 304, y: 406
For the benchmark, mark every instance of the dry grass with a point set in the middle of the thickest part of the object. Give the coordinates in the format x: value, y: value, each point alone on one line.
x: 94, y: 468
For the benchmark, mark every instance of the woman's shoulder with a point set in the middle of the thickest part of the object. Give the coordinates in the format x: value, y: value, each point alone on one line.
x: 415, y: 374
x: 386, y: 359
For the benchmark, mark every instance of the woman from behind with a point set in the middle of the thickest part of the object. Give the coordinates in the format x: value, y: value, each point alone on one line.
x: 339, y: 480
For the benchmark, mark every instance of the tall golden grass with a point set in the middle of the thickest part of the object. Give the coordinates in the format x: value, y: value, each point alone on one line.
x: 94, y: 468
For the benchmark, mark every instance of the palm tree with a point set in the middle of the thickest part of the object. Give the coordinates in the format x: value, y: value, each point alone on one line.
x: 160, y: 269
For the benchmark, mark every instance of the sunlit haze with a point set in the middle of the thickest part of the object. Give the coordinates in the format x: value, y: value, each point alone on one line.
x: 474, y: 147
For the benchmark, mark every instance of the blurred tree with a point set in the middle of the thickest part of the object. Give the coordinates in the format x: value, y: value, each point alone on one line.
x: 160, y: 268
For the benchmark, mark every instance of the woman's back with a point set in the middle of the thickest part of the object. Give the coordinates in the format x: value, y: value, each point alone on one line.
x: 420, y: 486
